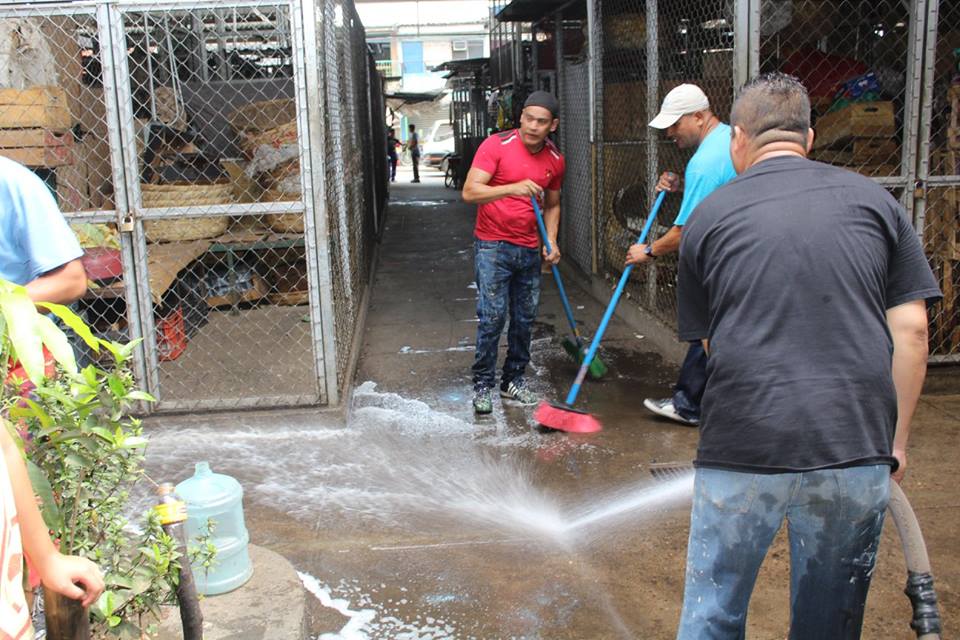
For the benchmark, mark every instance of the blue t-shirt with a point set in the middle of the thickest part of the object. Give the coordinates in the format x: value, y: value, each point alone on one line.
x: 709, y: 168
x: 34, y: 236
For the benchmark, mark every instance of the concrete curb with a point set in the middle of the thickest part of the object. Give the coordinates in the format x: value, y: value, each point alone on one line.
x: 270, y: 606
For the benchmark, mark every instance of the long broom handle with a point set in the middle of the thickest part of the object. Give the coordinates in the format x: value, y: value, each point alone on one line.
x: 581, y: 374
x: 556, y: 273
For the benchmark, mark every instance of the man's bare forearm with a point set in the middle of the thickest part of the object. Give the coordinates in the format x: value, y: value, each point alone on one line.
x: 484, y: 193
x: 908, y: 327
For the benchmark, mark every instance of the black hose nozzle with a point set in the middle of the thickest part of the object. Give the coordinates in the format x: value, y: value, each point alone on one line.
x: 926, y: 615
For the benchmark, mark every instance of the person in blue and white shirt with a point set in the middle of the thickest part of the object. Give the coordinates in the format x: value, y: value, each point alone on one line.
x: 37, y: 247
x: 689, y: 122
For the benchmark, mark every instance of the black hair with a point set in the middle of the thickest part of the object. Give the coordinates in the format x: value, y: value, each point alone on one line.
x: 773, y: 107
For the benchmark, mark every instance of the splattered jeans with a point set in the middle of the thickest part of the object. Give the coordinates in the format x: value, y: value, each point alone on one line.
x: 508, y: 282
x: 834, y: 518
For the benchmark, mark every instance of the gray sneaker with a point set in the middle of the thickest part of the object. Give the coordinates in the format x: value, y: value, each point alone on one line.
x: 482, y: 402
x: 517, y: 391
x: 666, y: 409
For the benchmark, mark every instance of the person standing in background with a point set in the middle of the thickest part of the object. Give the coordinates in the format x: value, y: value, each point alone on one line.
x: 392, y: 144
x: 413, y: 146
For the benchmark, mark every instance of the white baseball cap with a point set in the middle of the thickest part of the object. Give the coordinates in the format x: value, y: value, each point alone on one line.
x: 687, y: 98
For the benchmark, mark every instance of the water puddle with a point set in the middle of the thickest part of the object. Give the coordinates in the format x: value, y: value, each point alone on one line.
x: 425, y: 203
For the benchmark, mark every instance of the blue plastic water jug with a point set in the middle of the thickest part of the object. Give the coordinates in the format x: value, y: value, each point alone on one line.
x: 220, y: 498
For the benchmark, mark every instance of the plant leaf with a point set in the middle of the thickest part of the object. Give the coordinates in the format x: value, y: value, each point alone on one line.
x: 20, y: 315
x: 48, y: 506
x: 137, y: 394
x: 56, y: 341
x: 73, y: 321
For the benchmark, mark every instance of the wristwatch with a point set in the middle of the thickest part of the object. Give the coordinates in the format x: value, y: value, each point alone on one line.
x: 648, y: 251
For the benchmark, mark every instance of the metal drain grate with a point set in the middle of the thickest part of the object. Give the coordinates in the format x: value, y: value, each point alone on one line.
x: 664, y: 471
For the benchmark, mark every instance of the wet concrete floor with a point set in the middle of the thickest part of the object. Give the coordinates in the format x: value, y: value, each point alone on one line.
x: 427, y: 522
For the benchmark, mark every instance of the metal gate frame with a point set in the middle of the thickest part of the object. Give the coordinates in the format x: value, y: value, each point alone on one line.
x: 915, y: 178
x: 913, y: 181
x: 313, y: 183
x: 309, y: 76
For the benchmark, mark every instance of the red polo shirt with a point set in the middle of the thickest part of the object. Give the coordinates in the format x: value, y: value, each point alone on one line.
x: 504, y: 156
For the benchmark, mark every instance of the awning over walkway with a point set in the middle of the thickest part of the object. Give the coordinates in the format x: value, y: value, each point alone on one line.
x: 535, y: 10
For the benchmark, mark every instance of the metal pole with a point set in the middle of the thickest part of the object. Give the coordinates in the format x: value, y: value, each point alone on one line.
x: 741, y: 45
x: 592, y: 55
x: 109, y: 58
x: 198, y: 28
x: 754, y: 34
x: 596, y: 93
x: 653, y: 137
x: 311, y: 76
x: 917, y: 157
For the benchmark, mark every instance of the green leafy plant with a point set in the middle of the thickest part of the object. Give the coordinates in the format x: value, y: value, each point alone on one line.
x: 85, y: 452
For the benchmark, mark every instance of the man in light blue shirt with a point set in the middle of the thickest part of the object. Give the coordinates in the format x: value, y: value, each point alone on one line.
x: 689, y: 122
x: 37, y: 247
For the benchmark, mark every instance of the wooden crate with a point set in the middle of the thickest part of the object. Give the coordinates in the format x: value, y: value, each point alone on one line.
x: 944, y: 320
x: 36, y: 107
x: 861, y: 151
x: 857, y: 120
x: 942, y: 223
x: 878, y: 170
x: 953, y: 137
x: 37, y: 147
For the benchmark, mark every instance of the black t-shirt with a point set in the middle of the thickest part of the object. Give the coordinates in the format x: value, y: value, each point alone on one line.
x: 789, y: 270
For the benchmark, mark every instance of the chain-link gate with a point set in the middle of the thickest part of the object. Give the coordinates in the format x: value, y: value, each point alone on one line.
x: 576, y: 233
x: 885, y: 89
x: 939, y: 170
x: 646, y: 49
x: 198, y: 140
x: 880, y: 76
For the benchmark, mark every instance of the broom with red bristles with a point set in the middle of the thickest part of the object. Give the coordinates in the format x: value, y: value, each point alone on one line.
x: 564, y: 417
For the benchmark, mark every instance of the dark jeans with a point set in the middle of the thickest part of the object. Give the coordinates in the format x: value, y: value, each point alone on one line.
x: 688, y: 391
x: 834, y: 518
x: 508, y: 281
x: 415, y: 159
x: 392, y: 158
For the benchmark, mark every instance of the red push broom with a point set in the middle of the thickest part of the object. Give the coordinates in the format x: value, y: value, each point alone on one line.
x: 564, y: 417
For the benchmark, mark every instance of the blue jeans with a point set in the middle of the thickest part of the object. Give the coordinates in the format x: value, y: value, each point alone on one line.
x: 688, y: 391
x: 834, y: 518
x: 508, y: 281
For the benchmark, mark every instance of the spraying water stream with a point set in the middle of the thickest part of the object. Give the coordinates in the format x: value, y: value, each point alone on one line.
x: 400, y: 465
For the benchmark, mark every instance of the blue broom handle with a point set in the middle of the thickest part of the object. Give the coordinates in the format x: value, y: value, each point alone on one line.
x: 556, y: 271
x: 581, y: 374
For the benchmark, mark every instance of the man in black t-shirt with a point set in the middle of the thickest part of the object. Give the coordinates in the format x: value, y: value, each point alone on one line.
x: 808, y: 286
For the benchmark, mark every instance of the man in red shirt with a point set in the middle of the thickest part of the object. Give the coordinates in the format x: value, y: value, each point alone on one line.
x: 508, y: 169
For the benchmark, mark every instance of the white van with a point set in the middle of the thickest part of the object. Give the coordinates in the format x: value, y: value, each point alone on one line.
x: 438, y: 144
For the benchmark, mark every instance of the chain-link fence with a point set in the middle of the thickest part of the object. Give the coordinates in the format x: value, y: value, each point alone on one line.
x: 647, y: 49
x: 885, y: 87
x: 201, y: 152
x: 939, y: 220
x: 576, y: 233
